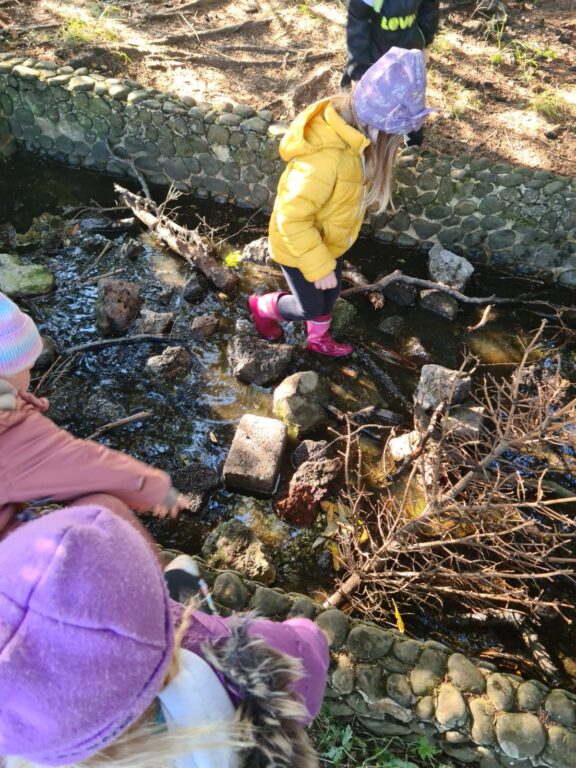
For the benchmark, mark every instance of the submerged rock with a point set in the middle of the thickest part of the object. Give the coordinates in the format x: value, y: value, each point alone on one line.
x: 156, y: 323
x: 131, y: 249
x: 196, y: 289
x: 233, y: 545
x: 19, y: 280
x: 104, y: 225
x: 205, y: 325
x: 439, y: 303
x: 256, y: 361
x: 174, y: 363
x: 393, y: 325
x: 298, y: 401
x: 8, y: 237
x: 117, y: 305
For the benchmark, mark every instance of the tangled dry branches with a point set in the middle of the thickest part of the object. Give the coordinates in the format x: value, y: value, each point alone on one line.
x: 484, y: 531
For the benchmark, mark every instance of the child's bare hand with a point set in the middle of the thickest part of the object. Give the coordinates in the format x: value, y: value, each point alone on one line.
x: 171, y: 507
x: 325, y: 283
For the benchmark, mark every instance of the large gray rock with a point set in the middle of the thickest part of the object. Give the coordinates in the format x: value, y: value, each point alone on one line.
x: 428, y: 673
x: 439, y: 384
x: 561, y: 748
x: 500, y: 692
x: 464, y: 674
x: 19, y: 280
x: 449, y: 269
x: 451, y: 711
x: 254, y: 458
x: 233, y: 545
x: 298, y: 401
x: 520, y: 734
x: 256, y: 361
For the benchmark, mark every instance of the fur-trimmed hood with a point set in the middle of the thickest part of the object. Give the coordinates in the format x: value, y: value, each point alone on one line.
x: 269, y: 707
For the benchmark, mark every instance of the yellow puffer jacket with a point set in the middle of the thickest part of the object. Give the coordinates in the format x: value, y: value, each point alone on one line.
x: 320, y: 202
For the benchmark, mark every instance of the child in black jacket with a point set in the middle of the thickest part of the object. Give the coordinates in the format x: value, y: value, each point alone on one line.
x: 375, y: 26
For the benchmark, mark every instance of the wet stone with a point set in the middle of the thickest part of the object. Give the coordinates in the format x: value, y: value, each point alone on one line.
x: 230, y: 591
x: 233, y: 545
x: 500, y: 692
x: 520, y: 735
x: 406, y: 241
x: 299, y: 399
x: 464, y: 674
x: 451, y: 711
x: 334, y: 623
x: 393, y: 325
x: 254, y: 458
x: 19, y: 280
x: 438, y: 212
x: 156, y: 323
x: 449, y: 269
x: 174, y: 363
x: 439, y: 303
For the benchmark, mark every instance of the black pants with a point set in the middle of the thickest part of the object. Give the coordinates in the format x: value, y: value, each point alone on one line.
x: 306, y: 302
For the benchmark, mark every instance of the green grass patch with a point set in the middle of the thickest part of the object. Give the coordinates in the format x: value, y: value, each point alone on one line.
x: 341, y: 745
x: 550, y: 104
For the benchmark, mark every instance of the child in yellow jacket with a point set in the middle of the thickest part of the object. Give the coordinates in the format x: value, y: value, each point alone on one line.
x: 340, y: 153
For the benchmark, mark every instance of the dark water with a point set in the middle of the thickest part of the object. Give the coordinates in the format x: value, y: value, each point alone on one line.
x: 195, y: 419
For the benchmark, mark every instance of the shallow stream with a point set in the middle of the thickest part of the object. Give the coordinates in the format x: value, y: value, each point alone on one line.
x: 194, y: 420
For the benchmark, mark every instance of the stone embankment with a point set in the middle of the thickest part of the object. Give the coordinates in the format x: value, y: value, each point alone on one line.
x: 398, y: 686
x: 511, y: 217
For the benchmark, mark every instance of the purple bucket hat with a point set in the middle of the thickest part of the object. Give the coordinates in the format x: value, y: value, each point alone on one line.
x: 391, y: 95
x: 85, y: 634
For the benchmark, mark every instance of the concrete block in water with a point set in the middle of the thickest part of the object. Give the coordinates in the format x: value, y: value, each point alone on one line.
x: 255, y: 454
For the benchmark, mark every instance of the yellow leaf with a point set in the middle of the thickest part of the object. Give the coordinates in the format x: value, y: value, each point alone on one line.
x: 399, y: 619
x: 362, y: 532
x: 213, y: 438
x: 332, y: 547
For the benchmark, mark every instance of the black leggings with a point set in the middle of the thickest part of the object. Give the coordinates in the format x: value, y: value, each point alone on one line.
x: 306, y: 302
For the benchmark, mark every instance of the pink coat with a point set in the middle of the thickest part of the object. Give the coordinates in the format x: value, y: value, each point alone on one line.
x: 38, y: 460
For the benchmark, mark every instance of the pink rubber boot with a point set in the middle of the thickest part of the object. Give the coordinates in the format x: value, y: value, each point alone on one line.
x: 320, y: 341
x: 264, y: 310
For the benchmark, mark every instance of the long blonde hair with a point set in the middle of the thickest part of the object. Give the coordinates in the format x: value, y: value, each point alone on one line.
x: 148, y: 743
x: 380, y: 156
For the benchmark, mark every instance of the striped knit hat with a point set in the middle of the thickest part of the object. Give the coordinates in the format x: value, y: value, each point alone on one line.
x: 20, y: 342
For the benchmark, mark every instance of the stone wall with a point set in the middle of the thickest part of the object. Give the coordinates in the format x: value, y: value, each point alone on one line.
x: 517, y: 219
x: 398, y: 686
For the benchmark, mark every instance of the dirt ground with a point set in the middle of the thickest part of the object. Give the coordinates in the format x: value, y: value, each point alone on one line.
x: 503, y: 79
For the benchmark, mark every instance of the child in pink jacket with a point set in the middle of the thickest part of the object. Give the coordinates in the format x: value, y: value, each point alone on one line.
x: 41, y: 462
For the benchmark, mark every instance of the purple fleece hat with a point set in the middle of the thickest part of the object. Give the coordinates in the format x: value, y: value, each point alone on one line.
x: 391, y: 95
x: 85, y: 634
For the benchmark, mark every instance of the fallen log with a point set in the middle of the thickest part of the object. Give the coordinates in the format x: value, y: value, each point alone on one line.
x: 185, y: 242
x: 353, y: 275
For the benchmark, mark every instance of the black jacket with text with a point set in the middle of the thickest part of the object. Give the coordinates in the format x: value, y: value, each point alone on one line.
x: 375, y: 26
